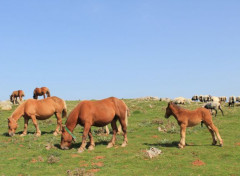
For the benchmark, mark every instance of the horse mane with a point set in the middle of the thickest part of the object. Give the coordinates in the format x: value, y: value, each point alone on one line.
x: 177, y: 107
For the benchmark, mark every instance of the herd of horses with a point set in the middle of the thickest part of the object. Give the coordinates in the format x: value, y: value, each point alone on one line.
x: 97, y: 113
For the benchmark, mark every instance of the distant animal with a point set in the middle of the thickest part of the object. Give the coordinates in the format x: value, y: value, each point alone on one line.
x: 41, y: 91
x: 38, y: 110
x: 206, y: 98
x: 179, y: 100
x: 95, y: 113
x: 195, y: 98
x: 214, y: 99
x: 214, y: 106
x: 238, y: 99
x: 187, y: 118
x: 15, y: 95
x: 231, y: 101
x: 223, y: 99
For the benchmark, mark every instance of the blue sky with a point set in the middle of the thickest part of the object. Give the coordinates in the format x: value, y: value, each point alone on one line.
x: 127, y: 49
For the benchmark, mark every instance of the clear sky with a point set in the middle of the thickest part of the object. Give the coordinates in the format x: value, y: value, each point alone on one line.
x: 95, y: 49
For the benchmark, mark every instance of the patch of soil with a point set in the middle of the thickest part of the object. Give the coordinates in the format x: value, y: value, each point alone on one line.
x: 99, y: 164
x: 94, y: 170
x: 12, y: 158
x: 198, y: 163
x: 75, y: 156
x: 155, y: 136
x: 99, y: 157
x: 21, y: 145
x: 33, y: 160
x: 238, y: 143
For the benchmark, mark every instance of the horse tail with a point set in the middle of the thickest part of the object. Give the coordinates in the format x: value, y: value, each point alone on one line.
x: 126, y: 116
x: 64, y: 112
x: 48, y: 93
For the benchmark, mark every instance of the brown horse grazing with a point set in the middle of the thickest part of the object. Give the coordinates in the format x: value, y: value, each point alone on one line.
x: 38, y: 109
x: 95, y: 113
x: 15, y: 94
x: 41, y: 91
x: 187, y: 118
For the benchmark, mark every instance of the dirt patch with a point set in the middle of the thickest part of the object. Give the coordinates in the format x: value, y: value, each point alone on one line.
x: 75, y: 156
x: 33, y: 160
x: 12, y: 158
x: 155, y: 136
x: 94, y: 170
x: 198, y: 163
x: 99, y: 164
x: 99, y: 157
x: 238, y: 143
x: 83, y: 164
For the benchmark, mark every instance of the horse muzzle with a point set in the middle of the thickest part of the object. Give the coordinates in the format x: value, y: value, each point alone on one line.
x: 64, y: 147
x: 11, y: 134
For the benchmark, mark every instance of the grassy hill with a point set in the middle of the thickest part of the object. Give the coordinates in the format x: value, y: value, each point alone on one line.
x: 31, y: 155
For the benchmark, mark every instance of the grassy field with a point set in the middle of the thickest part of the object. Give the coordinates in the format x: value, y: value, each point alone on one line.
x: 31, y: 155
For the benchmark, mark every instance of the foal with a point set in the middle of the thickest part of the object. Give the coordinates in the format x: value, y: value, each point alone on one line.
x: 187, y: 118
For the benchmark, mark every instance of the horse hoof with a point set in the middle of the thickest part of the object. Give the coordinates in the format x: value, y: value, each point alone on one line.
x: 91, y: 147
x: 22, y: 135
x: 124, y: 144
x: 80, y: 150
x: 110, y: 145
x: 180, y: 146
x: 38, y: 134
x: 55, y: 133
x: 214, y: 143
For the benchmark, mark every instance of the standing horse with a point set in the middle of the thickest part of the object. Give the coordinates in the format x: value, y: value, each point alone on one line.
x: 15, y: 94
x: 38, y: 110
x: 95, y: 113
x: 187, y: 118
x: 41, y: 91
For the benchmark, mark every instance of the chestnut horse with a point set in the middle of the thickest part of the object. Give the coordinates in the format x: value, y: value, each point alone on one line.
x: 187, y: 118
x: 41, y: 91
x: 15, y: 94
x: 38, y: 110
x: 95, y: 113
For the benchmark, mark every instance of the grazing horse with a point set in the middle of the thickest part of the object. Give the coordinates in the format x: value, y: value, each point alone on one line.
x: 95, y: 113
x: 187, y: 118
x: 15, y: 94
x: 41, y: 91
x: 38, y: 110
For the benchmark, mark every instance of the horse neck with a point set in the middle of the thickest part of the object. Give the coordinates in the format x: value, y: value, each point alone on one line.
x: 72, y: 120
x: 19, y: 112
x: 175, y: 112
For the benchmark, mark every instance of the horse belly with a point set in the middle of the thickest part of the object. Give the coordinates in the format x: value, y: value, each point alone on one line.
x: 194, y: 122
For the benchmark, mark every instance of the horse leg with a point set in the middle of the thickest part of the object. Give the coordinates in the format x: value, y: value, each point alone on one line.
x: 92, y: 144
x: 123, y: 123
x: 59, y: 124
x: 107, y: 130
x: 214, y: 128
x: 44, y: 95
x: 183, y: 135
x: 114, y: 128
x: 119, y: 129
x: 85, y: 133
x: 38, y: 132
x: 221, y: 110
x: 26, y: 119
x: 213, y: 135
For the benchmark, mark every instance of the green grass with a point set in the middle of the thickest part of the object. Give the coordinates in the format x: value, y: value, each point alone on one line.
x: 28, y: 155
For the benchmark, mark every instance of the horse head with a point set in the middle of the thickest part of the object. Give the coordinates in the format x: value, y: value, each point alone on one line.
x: 168, y: 110
x: 66, y: 139
x: 12, y: 126
x: 11, y: 98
